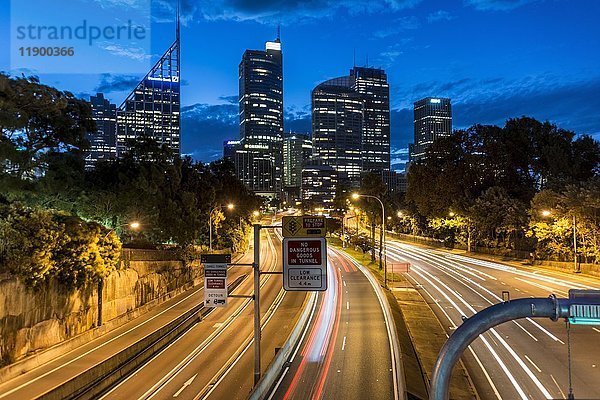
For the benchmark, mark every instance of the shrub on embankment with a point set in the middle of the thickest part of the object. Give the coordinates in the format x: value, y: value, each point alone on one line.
x: 38, y: 245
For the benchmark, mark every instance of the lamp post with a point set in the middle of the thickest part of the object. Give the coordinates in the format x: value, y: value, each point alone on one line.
x: 383, y: 245
x: 229, y: 206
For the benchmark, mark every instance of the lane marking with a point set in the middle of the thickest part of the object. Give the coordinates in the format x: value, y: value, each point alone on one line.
x: 185, y: 385
x: 541, y: 328
x: 444, y: 269
x: 95, y: 348
x: 539, y: 285
x: 344, y: 283
x: 453, y: 327
x: 397, y: 373
x: 558, y: 386
x: 525, y: 330
x: 347, y: 305
x: 532, y: 363
x: 418, y: 270
x: 167, y: 378
x: 344, y: 343
x: 298, y: 345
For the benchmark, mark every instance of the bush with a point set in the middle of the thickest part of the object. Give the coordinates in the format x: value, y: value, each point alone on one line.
x: 39, y: 244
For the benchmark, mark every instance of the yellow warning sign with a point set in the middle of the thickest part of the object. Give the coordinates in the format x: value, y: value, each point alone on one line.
x: 304, y: 226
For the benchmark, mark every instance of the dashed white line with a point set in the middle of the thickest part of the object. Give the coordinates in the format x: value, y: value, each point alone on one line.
x: 347, y: 305
x: 344, y: 344
x: 532, y: 363
x: 558, y: 386
x: 596, y: 329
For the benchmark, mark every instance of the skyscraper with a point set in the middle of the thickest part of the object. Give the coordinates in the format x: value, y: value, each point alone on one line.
x: 319, y: 183
x: 103, y: 142
x: 297, y: 149
x: 337, y: 121
x: 259, y: 160
x: 372, y: 84
x: 433, y: 119
x: 153, y: 108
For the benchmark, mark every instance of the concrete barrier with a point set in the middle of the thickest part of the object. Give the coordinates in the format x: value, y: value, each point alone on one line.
x: 93, y: 382
x: 267, y: 382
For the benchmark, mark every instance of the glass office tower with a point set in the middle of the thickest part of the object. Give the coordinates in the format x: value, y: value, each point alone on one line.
x: 259, y: 159
x: 372, y: 84
x: 153, y: 108
x: 432, y: 119
x: 337, y: 122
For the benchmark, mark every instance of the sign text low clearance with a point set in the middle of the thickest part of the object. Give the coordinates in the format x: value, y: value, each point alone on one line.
x: 304, y: 264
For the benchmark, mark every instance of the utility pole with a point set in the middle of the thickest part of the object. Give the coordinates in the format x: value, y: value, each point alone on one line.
x: 577, y: 268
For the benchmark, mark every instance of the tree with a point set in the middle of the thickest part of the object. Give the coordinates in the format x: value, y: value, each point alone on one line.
x: 37, y: 121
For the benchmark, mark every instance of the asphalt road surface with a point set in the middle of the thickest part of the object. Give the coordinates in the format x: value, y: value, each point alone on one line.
x: 215, y: 358
x: 345, y: 352
x: 524, y: 359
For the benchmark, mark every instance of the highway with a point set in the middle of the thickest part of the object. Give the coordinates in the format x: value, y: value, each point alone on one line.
x: 215, y: 358
x: 346, y: 351
x: 199, y: 361
x: 525, y: 359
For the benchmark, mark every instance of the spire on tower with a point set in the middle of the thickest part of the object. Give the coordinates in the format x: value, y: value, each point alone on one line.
x: 278, y: 33
x: 178, y: 21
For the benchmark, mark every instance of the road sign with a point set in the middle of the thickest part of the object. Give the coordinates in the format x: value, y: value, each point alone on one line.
x: 585, y: 313
x: 304, y: 264
x: 303, y: 226
x: 400, y: 267
x: 215, y: 279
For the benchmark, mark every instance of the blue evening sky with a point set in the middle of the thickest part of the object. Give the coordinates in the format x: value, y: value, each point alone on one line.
x: 495, y: 59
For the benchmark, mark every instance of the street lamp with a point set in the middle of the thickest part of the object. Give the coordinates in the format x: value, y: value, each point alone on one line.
x: 229, y: 206
x: 133, y: 225
x: 576, y: 268
x: 382, y: 246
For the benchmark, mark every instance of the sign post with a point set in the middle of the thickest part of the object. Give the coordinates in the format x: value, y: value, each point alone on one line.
x: 215, y: 279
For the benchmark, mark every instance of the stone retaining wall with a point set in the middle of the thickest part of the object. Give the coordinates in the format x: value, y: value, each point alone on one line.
x: 31, y: 321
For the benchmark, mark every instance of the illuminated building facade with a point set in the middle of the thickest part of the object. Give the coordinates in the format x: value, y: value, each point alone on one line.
x: 103, y: 142
x: 259, y: 158
x: 297, y: 150
x: 432, y: 119
x: 372, y: 84
x: 319, y: 184
x: 153, y: 108
x: 337, y: 123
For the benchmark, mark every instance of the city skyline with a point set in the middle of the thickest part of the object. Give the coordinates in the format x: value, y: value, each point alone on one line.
x: 531, y: 69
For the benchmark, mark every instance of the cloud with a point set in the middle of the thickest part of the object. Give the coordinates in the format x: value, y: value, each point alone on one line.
x: 233, y: 99
x: 135, y: 53
x: 273, y: 11
x: 440, y: 15
x: 399, y: 25
x: 204, y: 127
x: 117, y: 83
x: 571, y: 105
x: 497, y: 5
